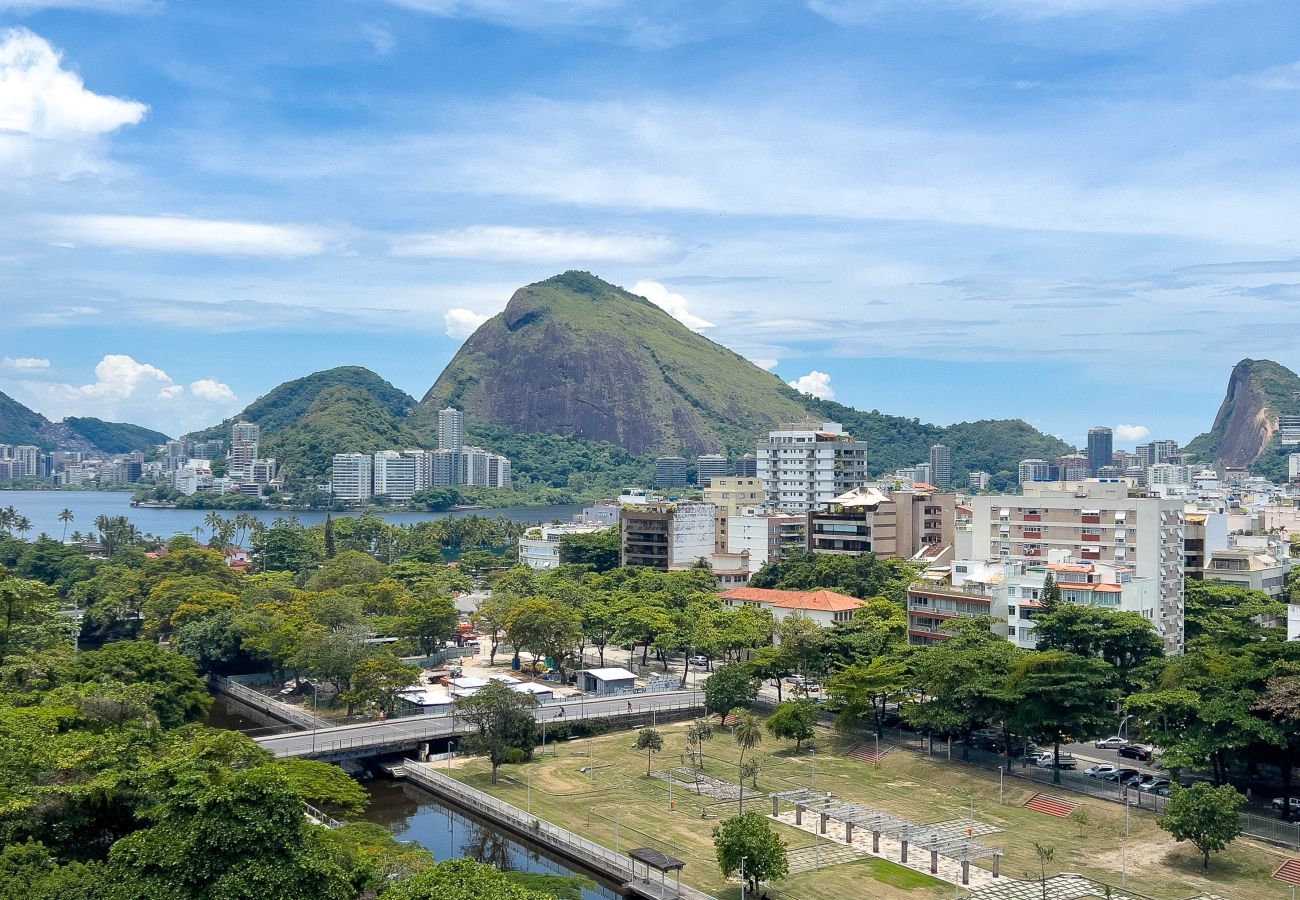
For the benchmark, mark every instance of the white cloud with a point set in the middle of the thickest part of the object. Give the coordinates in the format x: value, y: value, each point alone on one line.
x: 49, y: 123
x: 212, y: 390
x: 504, y: 243
x: 767, y: 364
x: 818, y: 384
x: 120, y: 377
x: 461, y: 322
x: 673, y: 304
x: 24, y: 363
x: 176, y: 234
x: 379, y: 37
x: 1279, y: 78
x: 1130, y: 433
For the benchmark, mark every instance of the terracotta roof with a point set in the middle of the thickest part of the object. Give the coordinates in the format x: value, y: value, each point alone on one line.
x: 820, y: 601
x: 923, y: 486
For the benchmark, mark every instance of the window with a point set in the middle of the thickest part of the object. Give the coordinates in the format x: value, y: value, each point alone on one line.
x: 1011, y: 611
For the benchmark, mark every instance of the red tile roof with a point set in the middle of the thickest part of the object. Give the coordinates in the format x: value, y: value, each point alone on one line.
x: 821, y: 601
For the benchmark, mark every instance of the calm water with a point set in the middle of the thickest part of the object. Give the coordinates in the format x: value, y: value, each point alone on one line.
x: 43, y: 507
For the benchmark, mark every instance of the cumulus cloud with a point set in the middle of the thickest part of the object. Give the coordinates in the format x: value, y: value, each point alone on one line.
x: 212, y: 390
x: 50, y: 124
x: 509, y: 244
x: 24, y: 363
x: 1130, y: 433
x: 673, y: 304
x: 461, y: 322
x: 176, y: 234
x: 817, y: 384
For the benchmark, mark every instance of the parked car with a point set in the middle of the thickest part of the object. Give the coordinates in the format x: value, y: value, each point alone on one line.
x: 1295, y: 804
x: 1110, y: 743
x: 699, y: 661
x: 1100, y: 770
x: 1046, y: 759
x: 1119, y: 776
x: 795, y: 679
x: 1138, y: 780
x: 1135, y: 751
x: 1154, y: 785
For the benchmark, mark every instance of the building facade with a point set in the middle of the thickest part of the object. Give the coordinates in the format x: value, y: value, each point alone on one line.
x: 731, y: 497
x: 671, y: 472
x: 940, y: 467
x: 351, y: 477
x: 804, y: 465
x: 901, y: 523
x: 666, y: 535
x: 1101, y: 448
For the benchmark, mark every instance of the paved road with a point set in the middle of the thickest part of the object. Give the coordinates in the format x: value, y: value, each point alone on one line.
x: 412, y: 730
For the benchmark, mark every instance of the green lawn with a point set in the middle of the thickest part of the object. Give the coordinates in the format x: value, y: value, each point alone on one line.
x: 618, y: 806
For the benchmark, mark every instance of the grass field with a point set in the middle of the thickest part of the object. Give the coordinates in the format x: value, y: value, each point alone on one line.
x: 617, y: 805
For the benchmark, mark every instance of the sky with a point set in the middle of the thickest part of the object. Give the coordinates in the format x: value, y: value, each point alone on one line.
x: 1074, y: 212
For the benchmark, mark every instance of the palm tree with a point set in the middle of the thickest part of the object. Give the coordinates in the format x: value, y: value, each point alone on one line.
x: 22, y: 525
x: 7, y: 517
x: 65, y: 516
x: 749, y: 733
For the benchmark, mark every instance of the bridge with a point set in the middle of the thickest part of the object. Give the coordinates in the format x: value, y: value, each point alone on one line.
x: 363, y: 739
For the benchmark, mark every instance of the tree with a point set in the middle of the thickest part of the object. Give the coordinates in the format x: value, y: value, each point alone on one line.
x: 545, y: 627
x: 865, y: 690
x: 749, y: 837
x: 651, y: 741
x: 1058, y: 696
x: 427, y: 621
x: 772, y: 664
x: 29, y: 619
x: 503, y: 722
x: 490, y: 619
x: 378, y: 679
x: 1044, y: 854
x: 793, y: 721
x: 179, y: 694
x: 1281, y: 703
x: 284, y: 547
x: 732, y: 686
x: 1126, y: 640
x: 598, y: 550
x: 697, y: 733
x: 749, y: 733
x: 802, y: 639
x: 1051, y: 594
x: 65, y: 516
x: 462, y: 879
x: 1207, y: 816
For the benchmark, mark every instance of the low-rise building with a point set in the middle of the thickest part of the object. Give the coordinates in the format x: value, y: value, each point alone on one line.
x: 539, y: 548
x: 901, y: 523
x: 823, y: 607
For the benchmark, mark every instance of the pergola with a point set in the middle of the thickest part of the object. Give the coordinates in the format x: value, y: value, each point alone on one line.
x: 661, y: 863
x: 939, y: 841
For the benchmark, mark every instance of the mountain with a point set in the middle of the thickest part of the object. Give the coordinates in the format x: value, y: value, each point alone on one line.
x: 1245, y: 430
x: 20, y: 425
x: 574, y: 355
x: 306, y: 421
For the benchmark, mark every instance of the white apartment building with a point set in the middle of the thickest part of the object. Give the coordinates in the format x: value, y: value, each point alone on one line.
x: 764, y: 537
x: 350, y: 478
x: 1031, y: 470
x: 805, y: 464
x: 451, y: 429
x: 1293, y: 467
x: 1107, y: 522
x: 395, y: 475
x: 539, y: 548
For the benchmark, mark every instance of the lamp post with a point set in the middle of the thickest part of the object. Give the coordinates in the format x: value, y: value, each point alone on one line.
x: 742, y: 877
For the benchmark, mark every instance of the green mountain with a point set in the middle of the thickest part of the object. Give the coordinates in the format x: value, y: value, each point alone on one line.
x: 574, y: 355
x: 20, y: 425
x: 1245, y: 430
x: 115, y: 437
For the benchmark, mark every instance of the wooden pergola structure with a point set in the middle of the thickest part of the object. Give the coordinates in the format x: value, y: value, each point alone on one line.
x: 660, y: 862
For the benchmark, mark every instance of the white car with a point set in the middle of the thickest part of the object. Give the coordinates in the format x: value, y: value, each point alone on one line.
x: 699, y: 661
x: 1098, y: 771
x: 1110, y: 743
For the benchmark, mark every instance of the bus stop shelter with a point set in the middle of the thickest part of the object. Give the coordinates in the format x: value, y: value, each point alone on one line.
x: 659, y: 862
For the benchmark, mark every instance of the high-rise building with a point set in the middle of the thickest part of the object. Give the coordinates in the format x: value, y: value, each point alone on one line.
x: 1293, y: 467
x: 394, y: 475
x: 446, y: 467
x: 900, y: 524
x: 1101, y: 448
x: 670, y: 472
x: 498, y: 471
x: 243, y: 451
x: 1071, y: 467
x: 747, y: 467
x: 708, y: 467
x: 1094, y: 521
x: 666, y: 535
x: 1031, y: 470
x: 940, y: 466
x: 451, y: 429
x: 28, y: 458
x: 805, y: 464
x: 350, y: 478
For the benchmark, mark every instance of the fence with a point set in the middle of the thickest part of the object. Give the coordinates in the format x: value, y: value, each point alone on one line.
x: 590, y: 854
x: 276, y: 709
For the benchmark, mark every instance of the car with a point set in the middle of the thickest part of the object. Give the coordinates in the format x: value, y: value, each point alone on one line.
x: 1119, y: 776
x: 1135, y: 751
x: 1138, y: 780
x: 794, y: 679
x: 1154, y: 785
x: 1295, y: 804
x: 699, y: 661
x: 1098, y: 771
x: 1110, y: 743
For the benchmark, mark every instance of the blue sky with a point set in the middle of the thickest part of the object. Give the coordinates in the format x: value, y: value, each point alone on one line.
x: 1069, y: 211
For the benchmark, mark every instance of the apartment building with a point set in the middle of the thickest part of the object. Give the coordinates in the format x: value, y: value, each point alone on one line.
x: 806, y: 464
x: 731, y: 497
x: 825, y: 608
x: 940, y: 466
x: 451, y: 429
x: 764, y: 537
x: 1107, y: 522
x: 539, y: 548
x: 666, y: 535
x: 1203, y: 533
x: 671, y: 472
x: 901, y: 523
x: 351, y: 477
x: 1031, y: 470
x: 396, y: 476
x: 710, y: 466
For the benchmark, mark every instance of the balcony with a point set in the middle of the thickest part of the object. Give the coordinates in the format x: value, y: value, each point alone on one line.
x: 1033, y: 517
x: 1091, y: 538
x: 1090, y: 518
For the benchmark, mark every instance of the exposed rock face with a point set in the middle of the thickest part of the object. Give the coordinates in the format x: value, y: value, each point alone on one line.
x: 576, y: 355
x: 1258, y: 392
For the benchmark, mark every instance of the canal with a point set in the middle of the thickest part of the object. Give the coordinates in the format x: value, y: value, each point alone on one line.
x: 413, y: 814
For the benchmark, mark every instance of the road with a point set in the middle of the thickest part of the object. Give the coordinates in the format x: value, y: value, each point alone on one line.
x: 410, y: 731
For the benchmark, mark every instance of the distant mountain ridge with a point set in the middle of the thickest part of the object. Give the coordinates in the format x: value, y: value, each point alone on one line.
x: 1245, y: 430
x: 21, y: 425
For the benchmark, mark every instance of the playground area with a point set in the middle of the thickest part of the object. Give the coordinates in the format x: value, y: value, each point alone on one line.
x: 956, y: 821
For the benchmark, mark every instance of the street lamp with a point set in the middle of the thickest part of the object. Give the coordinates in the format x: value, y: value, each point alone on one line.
x: 742, y: 877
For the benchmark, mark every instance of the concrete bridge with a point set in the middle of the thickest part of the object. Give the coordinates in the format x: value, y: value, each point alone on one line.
x: 404, y: 735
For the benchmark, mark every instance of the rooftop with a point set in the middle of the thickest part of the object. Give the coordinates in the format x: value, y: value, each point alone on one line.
x: 819, y: 601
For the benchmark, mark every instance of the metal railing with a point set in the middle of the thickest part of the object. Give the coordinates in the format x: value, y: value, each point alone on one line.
x: 277, y: 709
x: 403, y: 733
x: 587, y: 852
